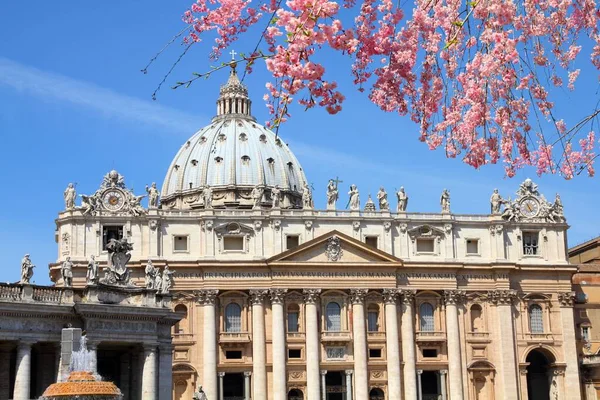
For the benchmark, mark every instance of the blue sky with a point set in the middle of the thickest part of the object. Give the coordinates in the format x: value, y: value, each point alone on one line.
x: 74, y: 105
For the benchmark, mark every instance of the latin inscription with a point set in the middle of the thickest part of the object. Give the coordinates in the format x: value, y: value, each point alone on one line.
x: 338, y: 274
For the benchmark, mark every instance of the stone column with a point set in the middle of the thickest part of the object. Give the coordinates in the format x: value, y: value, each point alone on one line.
x: 359, y: 332
x: 165, y: 371
x: 443, y: 373
x: 125, y: 364
x: 221, y: 387
x: 259, y: 351
x: 349, y: 384
x: 323, y: 385
x: 572, y: 379
x: 149, y: 380
x: 390, y: 296
x: 419, y: 385
x: 23, y: 371
x: 247, y: 375
x: 408, y: 345
x: 503, y: 299
x: 313, y: 344
x: 451, y: 298
x: 278, y: 333
x: 209, y: 341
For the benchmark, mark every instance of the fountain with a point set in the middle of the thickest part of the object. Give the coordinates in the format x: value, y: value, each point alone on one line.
x: 83, y: 382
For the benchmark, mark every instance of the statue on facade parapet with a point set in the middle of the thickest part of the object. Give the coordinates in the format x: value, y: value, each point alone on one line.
x: 91, y: 276
x: 135, y: 205
x: 307, y: 201
x: 354, y: 198
x: 332, y: 193
x: 26, y: 270
x: 113, y: 179
x: 117, y: 273
x: 531, y: 206
x: 276, y: 197
x: 402, y: 200
x: 153, y: 195
x: 445, y: 201
x: 207, y: 196
x: 257, y: 195
x: 384, y: 205
x: 496, y: 202
x: 88, y: 204
x: 66, y: 272
x: 70, y: 195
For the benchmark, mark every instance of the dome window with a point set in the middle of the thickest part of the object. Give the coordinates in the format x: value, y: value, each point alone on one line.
x: 222, y: 137
x: 278, y: 142
x: 243, y: 137
x: 245, y: 160
x: 202, y: 139
x: 263, y: 138
x: 194, y: 162
x: 218, y: 159
x: 290, y: 165
x: 187, y: 144
x: 271, y: 161
x: 176, y: 166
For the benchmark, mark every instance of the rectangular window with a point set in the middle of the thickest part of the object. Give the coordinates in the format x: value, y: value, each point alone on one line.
x: 530, y: 243
x: 335, y: 353
x: 292, y: 322
x: 425, y: 246
x: 111, y: 232
x: 233, y: 354
x: 429, y: 353
x: 292, y: 241
x: 294, y: 353
x: 233, y: 243
x: 371, y: 241
x: 374, y: 353
x: 372, y: 325
x: 180, y: 243
x: 585, y: 333
x: 472, y: 246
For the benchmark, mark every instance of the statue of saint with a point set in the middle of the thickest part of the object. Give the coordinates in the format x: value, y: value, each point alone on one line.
x: 157, y: 280
x: 402, y: 200
x: 496, y: 202
x: 383, y: 201
x: 199, y: 394
x: 354, y: 198
x: 66, y: 272
x: 92, y: 271
x: 70, y: 195
x: 445, y: 201
x: 26, y: 270
x: 276, y: 196
x: 152, y: 195
x: 257, y: 195
x: 307, y: 202
x: 332, y: 194
x: 207, y: 196
x: 167, y: 280
x: 150, y: 274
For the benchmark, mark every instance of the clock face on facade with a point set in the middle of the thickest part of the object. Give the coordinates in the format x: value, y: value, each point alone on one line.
x: 529, y: 207
x: 113, y: 200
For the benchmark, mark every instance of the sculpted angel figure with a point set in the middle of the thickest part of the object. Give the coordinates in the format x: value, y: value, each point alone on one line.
x: 383, y: 201
x: 152, y: 195
x: 88, y: 204
x: 445, y: 201
x: 135, y: 205
x: 26, y: 270
x: 66, y: 272
x: 402, y: 199
x: 332, y: 194
x: 70, y: 195
x: 91, y: 276
x: 354, y: 198
x: 496, y: 202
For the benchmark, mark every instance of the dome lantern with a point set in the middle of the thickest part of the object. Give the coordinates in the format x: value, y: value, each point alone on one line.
x: 233, y: 98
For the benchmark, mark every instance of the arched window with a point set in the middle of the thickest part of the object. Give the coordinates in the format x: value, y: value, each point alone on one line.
x: 536, y: 321
x: 295, y: 394
x: 426, y: 317
x: 293, y: 318
x: 373, y: 318
x: 233, y: 318
x: 476, y: 318
x: 333, y: 317
x: 181, y: 326
x: 376, y: 394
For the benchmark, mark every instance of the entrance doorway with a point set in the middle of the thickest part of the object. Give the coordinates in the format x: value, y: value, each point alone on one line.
x: 233, y: 386
x: 538, y: 384
x: 430, y: 385
x: 334, y: 385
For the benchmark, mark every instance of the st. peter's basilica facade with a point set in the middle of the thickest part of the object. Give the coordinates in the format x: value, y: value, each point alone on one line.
x: 283, y: 301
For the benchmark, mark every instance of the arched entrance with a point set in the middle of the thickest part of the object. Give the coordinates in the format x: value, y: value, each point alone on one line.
x: 538, y: 380
x: 376, y: 394
x: 295, y: 394
x: 184, y: 381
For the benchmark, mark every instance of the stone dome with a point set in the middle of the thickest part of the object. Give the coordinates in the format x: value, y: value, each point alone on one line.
x: 233, y: 155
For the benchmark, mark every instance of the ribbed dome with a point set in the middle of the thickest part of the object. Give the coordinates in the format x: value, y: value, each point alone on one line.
x: 232, y: 156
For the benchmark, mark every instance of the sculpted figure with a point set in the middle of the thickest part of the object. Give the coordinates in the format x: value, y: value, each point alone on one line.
x: 119, y: 255
x: 88, y: 204
x: 167, y: 280
x: 511, y: 211
x: 157, y: 280
x: 496, y: 202
x: 91, y: 276
x: 199, y: 394
x: 70, y: 195
x: 207, y: 196
x: 66, y: 272
x: 383, y: 201
x: 354, y: 198
x: 135, y: 205
x: 402, y: 199
x: 558, y: 206
x: 26, y: 270
x: 528, y: 187
x: 276, y: 196
x: 445, y: 201
x: 307, y: 202
x: 152, y: 195
x: 332, y: 194
x: 257, y: 195
x: 150, y: 274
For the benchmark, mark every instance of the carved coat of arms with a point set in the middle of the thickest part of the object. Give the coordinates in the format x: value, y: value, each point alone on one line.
x: 333, y: 250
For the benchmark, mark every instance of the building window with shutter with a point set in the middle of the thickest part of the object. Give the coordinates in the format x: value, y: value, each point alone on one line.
x: 426, y: 317
x: 333, y: 317
x: 293, y: 317
x: 536, y: 320
x: 373, y: 318
x: 233, y: 318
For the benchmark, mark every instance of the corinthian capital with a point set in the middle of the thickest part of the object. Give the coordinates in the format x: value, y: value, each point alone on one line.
x: 277, y: 295
x: 311, y: 296
x: 502, y: 296
x: 257, y: 296
x: 454, y: 296
x: 357, y: 296
x: 207, y: 296
x: 566, y: 299
x: 390, y: 296
x: 408, y: 296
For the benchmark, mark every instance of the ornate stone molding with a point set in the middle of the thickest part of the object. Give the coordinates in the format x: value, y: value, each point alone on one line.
x: 390, y: 296
x: 333, y: 249
x: 311, y: 296
x: 408, y: 296
x: 308, y: 225
x: 448, y: 229
x: 277, y: 295
x: 221, y: 374
x: 247, y: 373
x: 357, y: 296
x: 323, y: 372
x: 496, y: 229
x: 257, y: 296
x: 153, y: 224
x: 403, y: 228
x: 502, y: 296
x: 387, y: 225
x: 349, y: 371
x: 257, y: 226
x: 276, y: 224
x: 207, y: 297
x: 454, y: 296
x: 566, y: 299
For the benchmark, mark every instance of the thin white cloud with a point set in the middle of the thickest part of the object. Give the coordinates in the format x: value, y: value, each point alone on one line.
x: 51, y: 86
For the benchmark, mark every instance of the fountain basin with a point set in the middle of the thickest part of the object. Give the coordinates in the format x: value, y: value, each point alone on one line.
x: 82, y: 385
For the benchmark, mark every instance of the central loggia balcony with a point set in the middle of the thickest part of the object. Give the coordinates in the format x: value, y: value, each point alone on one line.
x: 335, y: 336
x: 430, y: 336
x: 234, y: 337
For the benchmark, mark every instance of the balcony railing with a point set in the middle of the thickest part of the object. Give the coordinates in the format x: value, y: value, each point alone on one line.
x: 296, y: 336
x: 375, y: 335
x: 234, y: 337
x: 431, y: 336
x: 183, y: 337
x: 478, y: 336
x: 329, y: 336
x: 538, y: 337
x: 590, y: 360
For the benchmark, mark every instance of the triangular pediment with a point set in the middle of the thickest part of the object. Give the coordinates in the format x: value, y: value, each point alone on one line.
x: 334, y: 247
